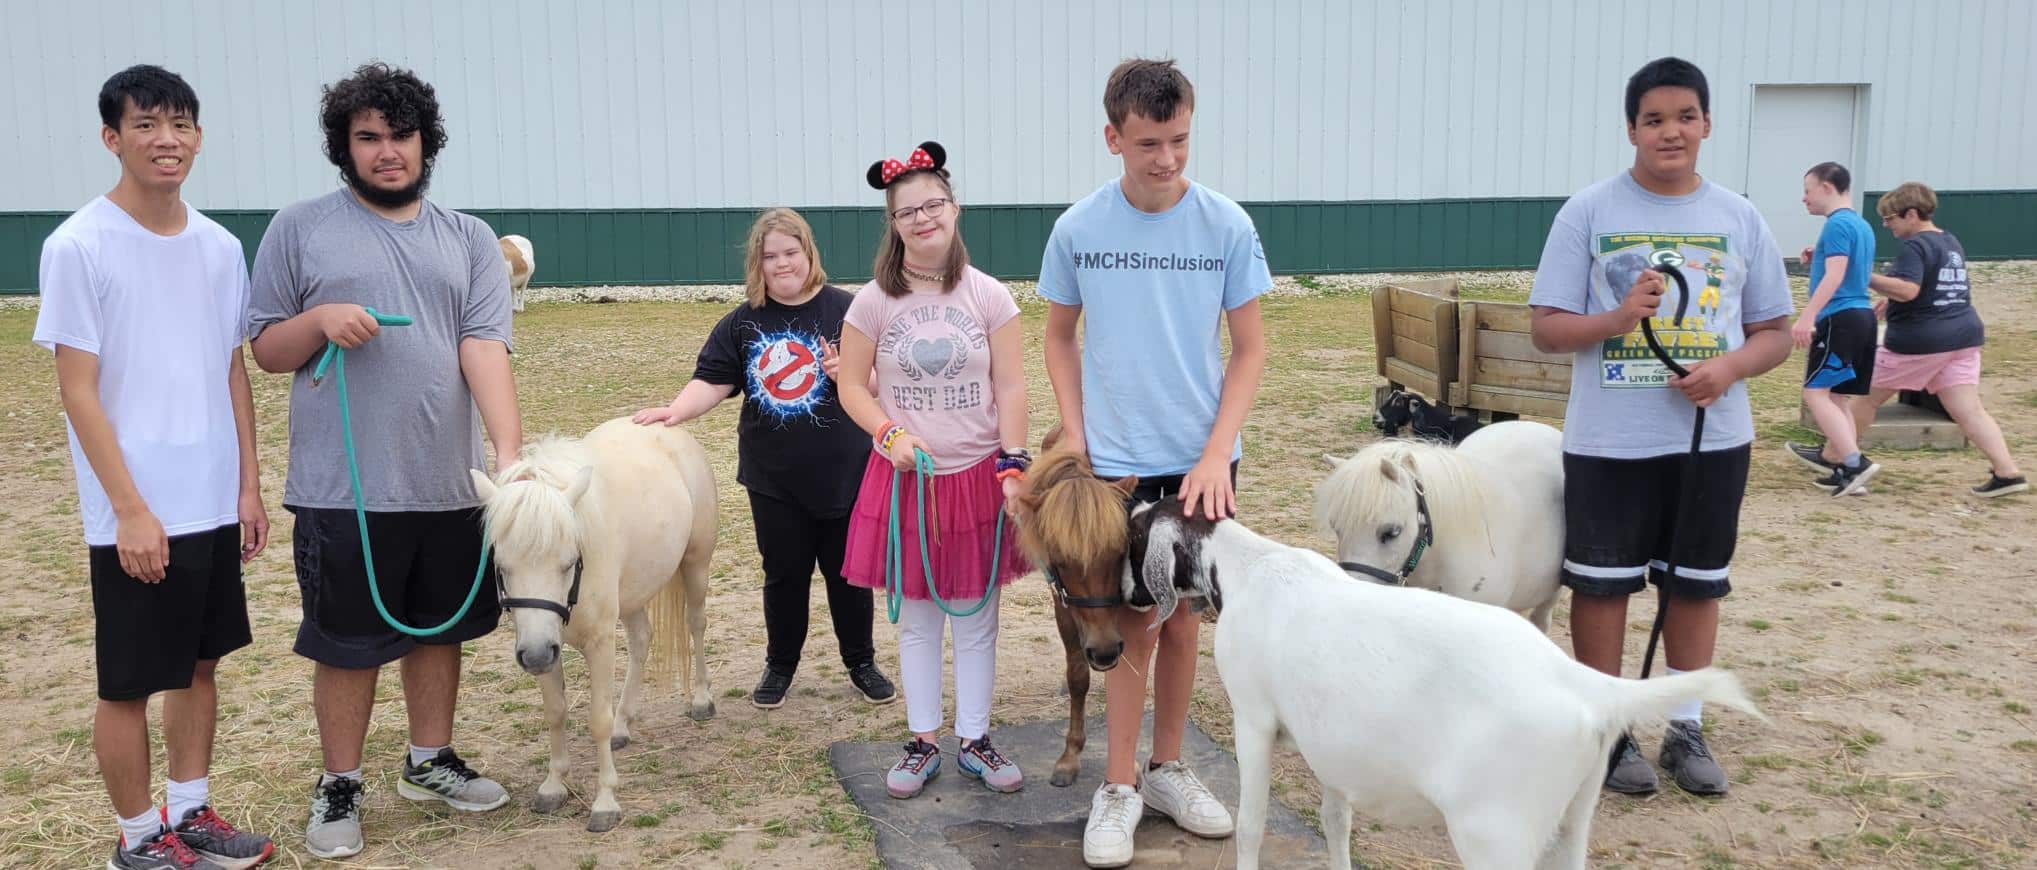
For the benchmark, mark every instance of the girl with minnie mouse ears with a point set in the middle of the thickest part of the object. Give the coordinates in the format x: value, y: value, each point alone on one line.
x: 944, y: 343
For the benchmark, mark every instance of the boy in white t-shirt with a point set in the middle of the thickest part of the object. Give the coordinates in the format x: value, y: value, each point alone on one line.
x: 144, y: 303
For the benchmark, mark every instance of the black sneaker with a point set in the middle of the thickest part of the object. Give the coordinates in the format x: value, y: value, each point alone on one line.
x: 1849, y: 479
x: 770, y: 691
x: 1689, y: 761
x: 1998, y: 485
x: 1812, y: 455
x: 1629, y: 772
x: 875, y: 688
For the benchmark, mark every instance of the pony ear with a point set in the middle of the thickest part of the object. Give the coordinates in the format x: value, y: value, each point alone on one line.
x: 1389, y: 470
x: 582, y: 480
x: 1334, y: 461
x: 482, y: 484
x: 876, y: 175
x: 1127, y: 484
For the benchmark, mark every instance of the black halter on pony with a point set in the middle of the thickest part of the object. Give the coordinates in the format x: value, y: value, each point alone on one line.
x: 565, y: 611
x: 1423, y: 539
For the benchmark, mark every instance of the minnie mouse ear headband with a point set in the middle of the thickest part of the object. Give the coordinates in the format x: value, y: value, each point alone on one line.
x: 929, y: 155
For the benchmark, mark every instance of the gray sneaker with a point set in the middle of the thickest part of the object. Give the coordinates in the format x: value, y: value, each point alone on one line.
x: 1812, y: 455
x: 335, y: 828
x: 1686, y: 757
x: 446, y: 778
x: 163, y: 851
x: 1630, y: 773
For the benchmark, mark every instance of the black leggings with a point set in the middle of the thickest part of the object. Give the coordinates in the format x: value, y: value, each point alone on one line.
x: 791, y: 542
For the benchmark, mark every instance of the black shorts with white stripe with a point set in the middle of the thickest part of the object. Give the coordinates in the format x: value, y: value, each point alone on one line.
x: 1621, y: 515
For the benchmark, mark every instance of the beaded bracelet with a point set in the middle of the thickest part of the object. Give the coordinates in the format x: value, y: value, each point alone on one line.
x: 1020, y: 459
x: 891, y: 436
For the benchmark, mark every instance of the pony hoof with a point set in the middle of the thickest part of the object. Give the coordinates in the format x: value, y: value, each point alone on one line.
x: 701, y: 712
x: 604, y: 820
x: 617, y: 742
x: 547, y: 804
x: 1062, y: 778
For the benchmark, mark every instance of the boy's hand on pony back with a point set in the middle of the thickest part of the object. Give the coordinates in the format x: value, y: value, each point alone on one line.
x: 1208, y: 486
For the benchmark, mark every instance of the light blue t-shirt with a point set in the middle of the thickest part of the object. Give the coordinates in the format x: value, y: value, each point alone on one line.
x: 1846, y: 234
x: 1154, y: 289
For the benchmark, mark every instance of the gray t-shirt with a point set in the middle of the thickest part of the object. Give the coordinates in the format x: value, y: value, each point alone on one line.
x: 1621, y: 406
x: 416, y: 430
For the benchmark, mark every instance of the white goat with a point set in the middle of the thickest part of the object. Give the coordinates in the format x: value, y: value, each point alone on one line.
x: 1410, y: 706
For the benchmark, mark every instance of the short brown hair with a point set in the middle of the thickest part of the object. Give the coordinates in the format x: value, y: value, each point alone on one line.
x: 1906, y: 196
x: 778, y: 220
x: 1155, y: 89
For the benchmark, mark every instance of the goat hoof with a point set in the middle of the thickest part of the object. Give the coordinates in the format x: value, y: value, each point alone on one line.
x: 616, y: 743
x: 701, y: 712
x: 604, y: 820
x: 547, y: 803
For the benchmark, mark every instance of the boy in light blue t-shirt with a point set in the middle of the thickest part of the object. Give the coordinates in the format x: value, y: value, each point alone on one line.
x: 1839, y: 330
x: 1155, y: 265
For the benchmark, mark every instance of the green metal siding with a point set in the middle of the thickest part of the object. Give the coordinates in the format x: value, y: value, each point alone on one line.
x: 705, y: 246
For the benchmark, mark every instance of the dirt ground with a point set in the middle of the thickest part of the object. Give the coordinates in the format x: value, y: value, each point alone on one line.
x: 1891, y: 638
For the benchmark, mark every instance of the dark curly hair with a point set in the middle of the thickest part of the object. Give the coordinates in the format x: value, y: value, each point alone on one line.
x: 405, y: 100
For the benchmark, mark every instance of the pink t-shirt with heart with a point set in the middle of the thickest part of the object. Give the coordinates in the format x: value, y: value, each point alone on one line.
x: 933, y: 363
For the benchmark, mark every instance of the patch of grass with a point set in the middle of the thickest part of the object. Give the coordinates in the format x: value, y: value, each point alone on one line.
x: 1861, y: 741
x: 647, y: 821
x: 712, y: 841
x: 2017, y: 708
x: 2024, y: 746
x: 1759, y: 624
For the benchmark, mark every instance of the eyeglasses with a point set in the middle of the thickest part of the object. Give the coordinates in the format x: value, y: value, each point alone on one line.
x: 933, y: 207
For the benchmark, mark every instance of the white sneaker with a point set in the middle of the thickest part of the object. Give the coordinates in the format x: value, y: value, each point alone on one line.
x: 1113, y: 815
x: 1173, y: 789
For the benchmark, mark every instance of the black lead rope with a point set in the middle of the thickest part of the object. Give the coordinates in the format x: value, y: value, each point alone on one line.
x: 1668, y: 266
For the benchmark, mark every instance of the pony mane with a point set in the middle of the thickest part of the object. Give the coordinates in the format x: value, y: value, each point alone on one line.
x: 529, y: 517
x: 1356, y: 494
x: 1075, y: 519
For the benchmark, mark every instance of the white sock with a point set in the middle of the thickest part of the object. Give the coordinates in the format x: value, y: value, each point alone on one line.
x: 185, y: 797
x: 1692, y: 710
x: 330, y: 775
x: 421, y: 754
x: 137, y: 830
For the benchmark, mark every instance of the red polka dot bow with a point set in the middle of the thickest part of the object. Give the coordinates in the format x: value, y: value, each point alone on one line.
x: 920, y: 159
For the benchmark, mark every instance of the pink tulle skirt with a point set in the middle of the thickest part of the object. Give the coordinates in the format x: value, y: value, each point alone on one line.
x: 964, y: 509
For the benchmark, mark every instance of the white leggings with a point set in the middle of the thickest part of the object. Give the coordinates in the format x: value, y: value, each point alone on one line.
x: 920, y: 625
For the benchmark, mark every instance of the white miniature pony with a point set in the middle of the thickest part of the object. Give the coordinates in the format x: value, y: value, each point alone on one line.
x: 618, y: 524
x: 1408, y: 706
x: 1481, y: 521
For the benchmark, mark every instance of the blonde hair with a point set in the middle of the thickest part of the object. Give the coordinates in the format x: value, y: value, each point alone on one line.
x: 1906, y: 196
x: 889, y: 269
x: 778, y: 220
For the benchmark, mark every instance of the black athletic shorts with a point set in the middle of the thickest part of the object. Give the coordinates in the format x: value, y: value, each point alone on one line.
x: 1620, y: 516
x: 1842, y: 353
x: 424, y: 567
x: 148, y: 637
x: 1151, y: 489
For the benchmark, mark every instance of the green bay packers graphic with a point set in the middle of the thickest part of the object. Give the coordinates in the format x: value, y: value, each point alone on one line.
x: 1625, y: 361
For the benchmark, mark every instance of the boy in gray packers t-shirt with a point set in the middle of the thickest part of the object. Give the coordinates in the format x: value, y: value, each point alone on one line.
x: 1627, y: 428
x: 419, y: 395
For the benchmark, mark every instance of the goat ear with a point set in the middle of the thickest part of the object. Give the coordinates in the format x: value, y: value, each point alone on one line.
x: 582, y: 480
x: 482, y: 484
x: 1389, y: 471
x: 1159, y: 581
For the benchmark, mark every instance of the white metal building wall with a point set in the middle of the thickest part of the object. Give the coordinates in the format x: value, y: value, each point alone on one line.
x: 640, y: 103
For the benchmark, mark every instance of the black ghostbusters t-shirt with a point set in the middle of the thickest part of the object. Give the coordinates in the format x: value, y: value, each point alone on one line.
x: 796, y: 443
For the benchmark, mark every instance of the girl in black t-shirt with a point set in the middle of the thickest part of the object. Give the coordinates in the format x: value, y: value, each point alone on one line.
x: 799, y: 456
